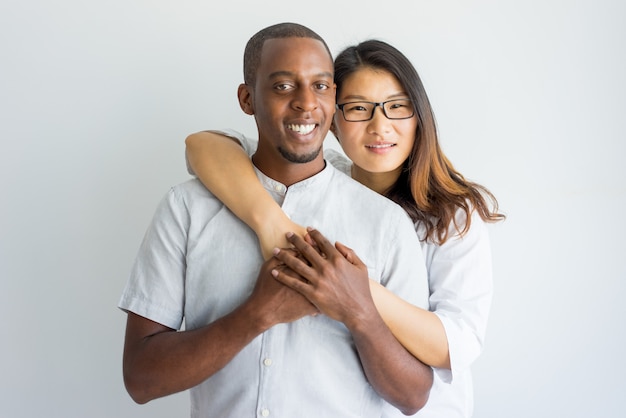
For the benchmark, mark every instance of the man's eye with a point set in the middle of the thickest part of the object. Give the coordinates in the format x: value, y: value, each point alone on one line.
x: 282, y: 87
x: 322, y: 86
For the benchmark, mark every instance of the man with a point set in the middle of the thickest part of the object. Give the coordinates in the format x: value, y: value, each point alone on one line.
x: 252, y: 346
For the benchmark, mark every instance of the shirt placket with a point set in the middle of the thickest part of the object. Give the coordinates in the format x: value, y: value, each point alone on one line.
x: 271, y: 361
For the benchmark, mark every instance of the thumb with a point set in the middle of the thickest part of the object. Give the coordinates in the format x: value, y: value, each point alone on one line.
x: 348, y: 253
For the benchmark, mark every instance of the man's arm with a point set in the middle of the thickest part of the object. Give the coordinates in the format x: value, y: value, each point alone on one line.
x: 159, y: 361
x: 337, y: 283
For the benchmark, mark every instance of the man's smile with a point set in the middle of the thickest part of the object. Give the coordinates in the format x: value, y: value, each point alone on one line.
x: 302, y: 129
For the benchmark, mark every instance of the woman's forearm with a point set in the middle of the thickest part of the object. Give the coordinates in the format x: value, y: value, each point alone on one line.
x: 225, y: 169
x: 418, y: 330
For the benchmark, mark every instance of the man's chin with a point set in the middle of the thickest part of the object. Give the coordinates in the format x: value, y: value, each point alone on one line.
x: 299, y: 158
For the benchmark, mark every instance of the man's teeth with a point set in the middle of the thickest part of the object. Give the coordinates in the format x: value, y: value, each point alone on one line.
x: 381, y: 146
x: 302, y: 129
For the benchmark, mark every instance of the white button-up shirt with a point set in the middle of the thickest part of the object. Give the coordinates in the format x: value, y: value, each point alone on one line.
x: 198, y: 262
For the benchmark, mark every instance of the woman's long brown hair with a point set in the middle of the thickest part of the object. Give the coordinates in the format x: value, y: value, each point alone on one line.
x: 429, y: 188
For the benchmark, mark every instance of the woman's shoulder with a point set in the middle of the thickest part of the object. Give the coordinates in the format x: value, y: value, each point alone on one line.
x: 249, y: 144
x: 476, y: 230
x: 338, y: 160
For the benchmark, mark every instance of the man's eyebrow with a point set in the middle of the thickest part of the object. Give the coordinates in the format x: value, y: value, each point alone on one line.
x: 276, y: 74
x: 325, y: 74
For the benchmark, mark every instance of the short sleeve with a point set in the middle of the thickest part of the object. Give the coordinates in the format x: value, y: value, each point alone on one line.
x: 461, y: 285
x: 155, y: 289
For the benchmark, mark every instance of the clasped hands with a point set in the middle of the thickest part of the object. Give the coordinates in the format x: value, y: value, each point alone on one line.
x: 317, y: 276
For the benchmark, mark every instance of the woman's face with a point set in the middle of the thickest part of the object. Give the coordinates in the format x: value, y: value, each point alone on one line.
x: 379, y: 145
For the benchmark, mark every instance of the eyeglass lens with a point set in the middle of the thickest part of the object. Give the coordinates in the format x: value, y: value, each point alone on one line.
x: 362, y: 111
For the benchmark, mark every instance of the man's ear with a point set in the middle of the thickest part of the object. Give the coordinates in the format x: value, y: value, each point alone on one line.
x: 244, y: 94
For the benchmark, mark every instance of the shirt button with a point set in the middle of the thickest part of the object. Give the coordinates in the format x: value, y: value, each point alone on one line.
x: 265, y: 412
x: 278, y: 188
x: 267, y: 362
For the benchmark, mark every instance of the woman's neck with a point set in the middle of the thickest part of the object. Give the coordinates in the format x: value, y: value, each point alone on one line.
x: 379, y: 182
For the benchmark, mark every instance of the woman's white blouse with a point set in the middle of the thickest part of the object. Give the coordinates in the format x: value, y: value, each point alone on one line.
x: 461, y: 288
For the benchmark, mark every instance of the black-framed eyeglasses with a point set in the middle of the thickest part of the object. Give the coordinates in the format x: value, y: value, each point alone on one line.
x: 364, y: 111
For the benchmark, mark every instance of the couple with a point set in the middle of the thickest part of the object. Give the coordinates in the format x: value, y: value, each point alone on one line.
x: 313, y: 338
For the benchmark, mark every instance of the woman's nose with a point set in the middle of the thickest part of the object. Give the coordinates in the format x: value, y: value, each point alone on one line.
x: 379, y: 124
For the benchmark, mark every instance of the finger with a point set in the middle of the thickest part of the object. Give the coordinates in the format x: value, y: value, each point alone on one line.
x: 291, y: 251
x: 348, y: 253
x: 295, y: 261
x: 323, y: 244
x: 292, y: 280
x: 310, y: 241
x: 307, y: 251
x: 273, y: 262
x: 285, y: 271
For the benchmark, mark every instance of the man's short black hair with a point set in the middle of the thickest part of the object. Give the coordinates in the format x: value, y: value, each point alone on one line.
x: 252, y: 53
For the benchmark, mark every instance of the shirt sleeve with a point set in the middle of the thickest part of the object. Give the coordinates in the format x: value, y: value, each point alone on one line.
x: 248, y: 144
x: 461, y: 286
x: 155, y: 289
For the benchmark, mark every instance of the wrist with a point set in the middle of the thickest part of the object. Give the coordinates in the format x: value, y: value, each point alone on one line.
x: 263, y: 217
x: 365, y: 322
x: 253, y: 315
x: 269, y: 223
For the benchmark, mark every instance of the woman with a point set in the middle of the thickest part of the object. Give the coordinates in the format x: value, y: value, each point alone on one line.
x: 385, y: 125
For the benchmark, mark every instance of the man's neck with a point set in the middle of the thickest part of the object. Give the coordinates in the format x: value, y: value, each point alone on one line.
x: 287, y: 167
x: 289, y: 173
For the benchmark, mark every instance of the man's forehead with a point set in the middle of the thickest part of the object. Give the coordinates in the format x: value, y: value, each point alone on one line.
x: 277, y: 51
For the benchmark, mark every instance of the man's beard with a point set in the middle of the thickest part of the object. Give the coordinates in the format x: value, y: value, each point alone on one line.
x: 299, y: 158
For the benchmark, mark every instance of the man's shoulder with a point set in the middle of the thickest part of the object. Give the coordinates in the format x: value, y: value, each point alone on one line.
x: 192, y: 192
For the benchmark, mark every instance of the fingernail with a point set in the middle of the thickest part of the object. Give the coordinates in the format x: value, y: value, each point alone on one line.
x: 289, y: 234
x: 276, y: 250
x: 275, y: 273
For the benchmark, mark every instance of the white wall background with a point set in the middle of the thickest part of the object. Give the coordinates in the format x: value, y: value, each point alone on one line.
x: 97, y: 98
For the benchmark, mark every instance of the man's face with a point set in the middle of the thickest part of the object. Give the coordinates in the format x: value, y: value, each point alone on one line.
x: 293, y: 101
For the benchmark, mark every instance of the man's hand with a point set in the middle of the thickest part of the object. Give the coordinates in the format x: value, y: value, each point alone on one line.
x: 275, y: 302
x: 336, y: 280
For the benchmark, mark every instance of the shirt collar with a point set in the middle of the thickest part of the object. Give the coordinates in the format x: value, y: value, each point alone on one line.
x: 318, y: 180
